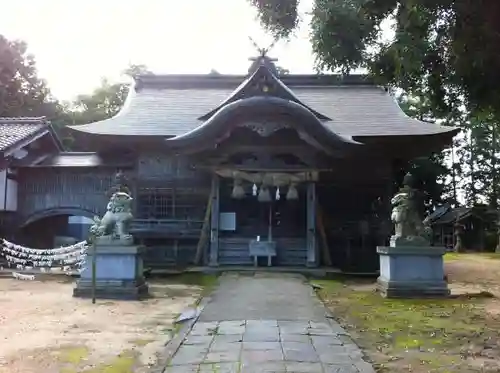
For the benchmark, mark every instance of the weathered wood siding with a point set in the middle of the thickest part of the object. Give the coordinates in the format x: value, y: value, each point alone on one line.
x: 44, y: 188
x: 161, y: 166
x: 171, y: 198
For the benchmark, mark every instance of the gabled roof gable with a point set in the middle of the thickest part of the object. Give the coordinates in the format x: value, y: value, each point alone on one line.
x: 261, y: 83
x: 18, y: 132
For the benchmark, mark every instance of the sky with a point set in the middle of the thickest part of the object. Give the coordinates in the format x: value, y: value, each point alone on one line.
x: 77, y: 43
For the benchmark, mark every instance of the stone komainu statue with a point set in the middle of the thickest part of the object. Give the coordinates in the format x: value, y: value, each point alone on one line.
x: 406, y: 217
x: 120, y: 184
x: 115, y: 223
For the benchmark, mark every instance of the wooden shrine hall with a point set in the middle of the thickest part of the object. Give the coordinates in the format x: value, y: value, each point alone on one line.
x: 223, y: 167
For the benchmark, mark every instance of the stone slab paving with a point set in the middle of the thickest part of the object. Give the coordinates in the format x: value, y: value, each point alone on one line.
x: 266, y: 324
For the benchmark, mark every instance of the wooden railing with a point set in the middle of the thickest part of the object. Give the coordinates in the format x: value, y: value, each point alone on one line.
x: 174, y: 228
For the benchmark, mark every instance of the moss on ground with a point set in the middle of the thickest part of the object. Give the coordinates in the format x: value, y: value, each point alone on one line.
x: 141, y: 342
x: 448, y: 257
x: 198, y: 279
x: 430, y: 335
x: 123, y: 363
x: 73, y: 355
x: 205, y: 281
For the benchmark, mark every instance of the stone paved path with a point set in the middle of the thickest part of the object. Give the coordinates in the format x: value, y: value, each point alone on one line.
x: 266, y: 323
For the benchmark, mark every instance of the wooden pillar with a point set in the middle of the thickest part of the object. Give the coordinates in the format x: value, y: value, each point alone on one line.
x: 312, y: 249
x: 214, y: 226
x: 134, y: 186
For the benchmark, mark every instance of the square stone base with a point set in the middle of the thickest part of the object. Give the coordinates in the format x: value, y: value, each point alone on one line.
x: 415, y: 289
x: 116, y: 290
x: 118, y: 275
x: 412, y: 272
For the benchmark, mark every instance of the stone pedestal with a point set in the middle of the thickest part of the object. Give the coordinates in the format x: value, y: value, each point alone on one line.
x: 412, y: 272
x: 119, y: 273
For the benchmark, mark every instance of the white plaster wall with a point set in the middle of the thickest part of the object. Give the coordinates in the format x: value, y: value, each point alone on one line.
x: 79, y: 220
x: 3, y: 175
x: 11, y: 195
x: 9, y: 204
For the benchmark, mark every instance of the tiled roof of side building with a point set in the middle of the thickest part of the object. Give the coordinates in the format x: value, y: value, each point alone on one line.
x: 163, y: 106
x: 15, y: 130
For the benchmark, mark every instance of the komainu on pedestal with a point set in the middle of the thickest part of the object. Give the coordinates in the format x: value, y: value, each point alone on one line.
x: 410, y: 267
x: 119, y: 263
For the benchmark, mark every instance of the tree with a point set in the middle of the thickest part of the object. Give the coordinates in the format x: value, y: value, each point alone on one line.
x: 431, y: 173
x: 103, y: 103
x: 450, y: 46
x: 22, y: 92
x: 282, y: 71
x: 106, y: 100
x: 479, y: 156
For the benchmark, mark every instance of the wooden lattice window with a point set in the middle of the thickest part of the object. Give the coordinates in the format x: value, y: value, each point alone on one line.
x: 155, y: 203
x: 177, y: 203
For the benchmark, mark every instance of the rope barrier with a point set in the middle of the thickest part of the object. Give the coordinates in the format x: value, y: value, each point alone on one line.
x: 66, y: 258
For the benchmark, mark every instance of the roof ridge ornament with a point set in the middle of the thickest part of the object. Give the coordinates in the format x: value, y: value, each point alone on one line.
x: 263, y: 51
x: 263, y: 59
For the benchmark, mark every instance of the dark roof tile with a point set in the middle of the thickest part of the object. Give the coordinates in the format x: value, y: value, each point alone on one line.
x: 355, y: 110
x: 15, y: 130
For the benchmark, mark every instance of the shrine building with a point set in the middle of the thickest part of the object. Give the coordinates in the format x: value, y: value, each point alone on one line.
x: 219, y: 162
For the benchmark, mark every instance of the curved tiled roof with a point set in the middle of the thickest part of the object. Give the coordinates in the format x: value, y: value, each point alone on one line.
x: 215, y: 127
x: 171, y: 105
x: 15, y: 130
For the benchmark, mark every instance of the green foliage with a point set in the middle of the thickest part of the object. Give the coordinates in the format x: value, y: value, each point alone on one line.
x: 105, y: 101
x: 282, y: 71
x: 481, y: 155
x: 430, y: 172
x: 449, y: 46
x: 442, y: 54
x: 22, y: 92
x: 279, y: 15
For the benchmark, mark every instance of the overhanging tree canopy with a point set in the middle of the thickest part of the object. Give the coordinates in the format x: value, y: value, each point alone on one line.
x: 448, y: 46
x: 22, y: 92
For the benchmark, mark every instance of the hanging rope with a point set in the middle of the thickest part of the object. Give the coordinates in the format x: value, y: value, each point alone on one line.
x: 66, y: 258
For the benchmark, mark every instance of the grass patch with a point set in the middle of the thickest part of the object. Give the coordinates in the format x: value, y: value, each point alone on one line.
x: 448, y: 257
x: 73, y: 355
x: 142, y: 342
x: 123, y: 363
x: 464, y: 256
x: 192, y: 282
x: 430, y: 335
x: 205, y: 281
x: 194, y: 278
